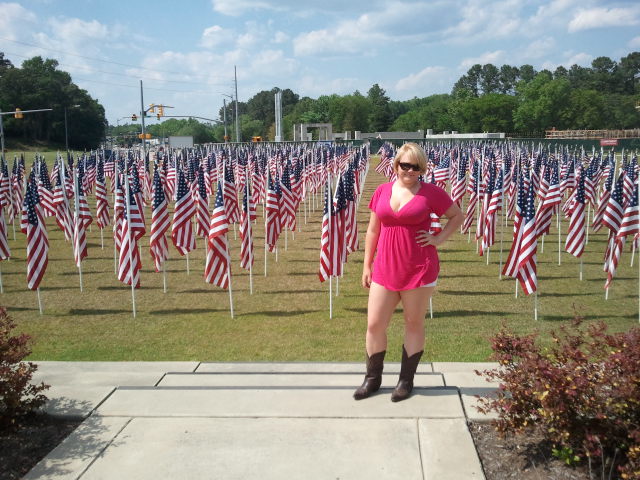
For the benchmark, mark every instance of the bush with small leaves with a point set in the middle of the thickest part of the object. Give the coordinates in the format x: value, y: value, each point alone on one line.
x: 17, y: 396
x: 582, y: 393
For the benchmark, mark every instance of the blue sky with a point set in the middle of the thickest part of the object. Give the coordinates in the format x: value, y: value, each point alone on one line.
x: 185, y: 51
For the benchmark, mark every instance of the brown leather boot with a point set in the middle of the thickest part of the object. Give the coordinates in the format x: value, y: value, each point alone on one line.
x: 407, y: 371
x: 373, y: 378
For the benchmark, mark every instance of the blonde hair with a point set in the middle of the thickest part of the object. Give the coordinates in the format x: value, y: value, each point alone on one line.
x: 413, y: 151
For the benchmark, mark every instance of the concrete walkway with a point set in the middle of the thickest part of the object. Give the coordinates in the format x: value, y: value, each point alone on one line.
x: 190, y: 420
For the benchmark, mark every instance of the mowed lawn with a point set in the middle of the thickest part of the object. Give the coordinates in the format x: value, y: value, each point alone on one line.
x: 287, y: 317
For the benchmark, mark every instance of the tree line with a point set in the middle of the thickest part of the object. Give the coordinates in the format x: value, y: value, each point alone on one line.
x: 519, y: 101
x: 39, y: 84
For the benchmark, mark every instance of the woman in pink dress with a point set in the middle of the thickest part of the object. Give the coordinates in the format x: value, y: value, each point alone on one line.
x: 406, y: 264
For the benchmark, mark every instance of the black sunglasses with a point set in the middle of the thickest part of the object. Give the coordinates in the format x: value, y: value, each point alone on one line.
x: 409, y: 166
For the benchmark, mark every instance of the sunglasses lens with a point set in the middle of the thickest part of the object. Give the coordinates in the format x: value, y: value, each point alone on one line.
x: 409, y: 166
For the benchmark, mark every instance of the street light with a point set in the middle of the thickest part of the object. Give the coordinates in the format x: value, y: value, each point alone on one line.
x: 66, y: 129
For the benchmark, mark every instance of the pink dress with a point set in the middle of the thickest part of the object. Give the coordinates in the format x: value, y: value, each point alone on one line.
x: 400, y: 262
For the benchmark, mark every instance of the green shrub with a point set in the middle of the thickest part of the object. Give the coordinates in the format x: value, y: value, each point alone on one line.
x: 17, y: 396
x: 582, y: 394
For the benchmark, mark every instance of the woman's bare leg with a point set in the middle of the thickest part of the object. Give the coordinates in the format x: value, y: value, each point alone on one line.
x: 415, y: 304
x: 382, y: 303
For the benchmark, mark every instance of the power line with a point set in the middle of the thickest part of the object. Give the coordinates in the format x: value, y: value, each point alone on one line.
x: 92, y: 70
x: 96, y: 59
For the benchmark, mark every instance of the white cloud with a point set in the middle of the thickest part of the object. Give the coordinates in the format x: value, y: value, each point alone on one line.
x: 604, y: 17
x: 483, y: 20
x: 369, y: 32
x: 634, y: 42
x: 496, y: 58
x: 272, y: 63
x: 15, y: 19
x: 316, y: 85
x: 280, y: 37
x: 215, y: 36
x: 236, y: 8
x: 540, y: 48
x: 582, y: 58
x: 428, y: 75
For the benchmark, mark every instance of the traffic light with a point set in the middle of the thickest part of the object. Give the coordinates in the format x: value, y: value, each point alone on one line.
x: 18, y: 113
x: 134, y: 118
x: 160, y: 111
x: 152, y: 108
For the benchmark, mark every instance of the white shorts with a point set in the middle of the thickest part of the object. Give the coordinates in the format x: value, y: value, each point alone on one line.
x: 432, y: 284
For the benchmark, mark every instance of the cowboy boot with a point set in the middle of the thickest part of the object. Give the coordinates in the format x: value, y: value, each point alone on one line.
x: 373, y: 378
x: 407, y: 371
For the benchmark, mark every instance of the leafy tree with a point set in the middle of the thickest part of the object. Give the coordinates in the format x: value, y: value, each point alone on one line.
x: 38, y: 84
x: 490, y: 79
x: 508, y: 78
x: 544, y: 103
x: 380, y: 113
x: 469, y: 82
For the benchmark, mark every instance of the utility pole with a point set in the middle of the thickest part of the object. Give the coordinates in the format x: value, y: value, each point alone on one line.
x: 143, y: 112
x: 237, y: 119
x: 224, y: 117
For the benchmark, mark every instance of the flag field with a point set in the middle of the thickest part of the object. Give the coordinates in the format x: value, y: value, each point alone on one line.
x: 287, y: 317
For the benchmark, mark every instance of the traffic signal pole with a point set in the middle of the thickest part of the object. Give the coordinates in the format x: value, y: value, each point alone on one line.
x: 142, y: 115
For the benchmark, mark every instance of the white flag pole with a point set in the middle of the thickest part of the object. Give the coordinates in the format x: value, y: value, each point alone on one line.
x: 39, y: 301
x: 228, y: 259
x: 131, y: 271
x: 164, y: 276
x: 330, y: 299
x: 76, y: 225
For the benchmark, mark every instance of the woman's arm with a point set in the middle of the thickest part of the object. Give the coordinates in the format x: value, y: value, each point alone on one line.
x: 455, y: 218
x: 370, y: 244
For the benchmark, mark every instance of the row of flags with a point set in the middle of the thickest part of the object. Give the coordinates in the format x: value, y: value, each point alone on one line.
x: 239, y: 178
x: 533, y: 184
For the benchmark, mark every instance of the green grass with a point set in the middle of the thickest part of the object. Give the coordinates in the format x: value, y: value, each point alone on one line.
x: 287, y: 317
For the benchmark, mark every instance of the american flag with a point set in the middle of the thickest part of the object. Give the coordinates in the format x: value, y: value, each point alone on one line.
x: 458, y: 186
x: 218, y: 265
x: 337, y: 245
x: 64, y: 219
x: 158, y: 244
x: 612, y: 217
x: 5, y: 185
x: 495, y: 205
x: 79, y: 225
x: 351, y: 221
x: 37, y: 240
x: 230, y: 196
x: 5, y: 252
x: 576, y: 235
x: 528, y: 247
x: 45, y: 191
x: 273, y: 226
x: 129, y: 264
x: 102, y: 202
x: 83, y: 205
x: 202, y: 206
x: 550, y: 199
x: 287, y: 201
x: 511, y: 265
x: 246, y: 237
x: 472, y: 188
x: 181, y: 230
x: 441, y: 172
x: 604, y: 199
x: 628, y: 226
x: 325, y: 238
x: 629, y: 180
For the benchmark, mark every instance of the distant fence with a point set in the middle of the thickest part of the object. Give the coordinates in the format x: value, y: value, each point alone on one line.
x: 588, y: 144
